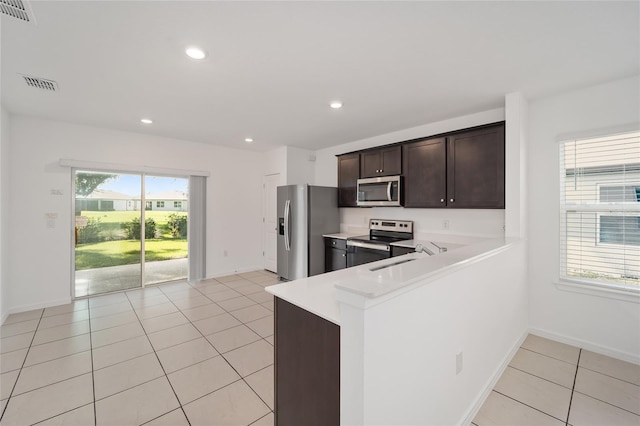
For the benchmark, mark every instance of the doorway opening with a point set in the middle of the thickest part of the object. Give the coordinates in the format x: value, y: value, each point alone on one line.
x: 130, y: 231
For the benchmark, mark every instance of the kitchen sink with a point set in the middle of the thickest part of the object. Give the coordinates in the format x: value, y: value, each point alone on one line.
x: 400, y: 262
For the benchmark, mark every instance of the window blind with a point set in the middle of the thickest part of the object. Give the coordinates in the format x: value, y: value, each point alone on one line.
x: 600, y: 210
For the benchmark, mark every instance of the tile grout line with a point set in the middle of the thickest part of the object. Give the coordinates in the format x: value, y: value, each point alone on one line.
x: 610, y: 376
x: 160, y: 363
x: 547, y: 355
x: 257, y: 420
x: 526, y: 405
x: 573, y: 388
x: 44, y: 386
x: 608, y: 403
x: 243, y: 378
x: 93, y: 378
x: 569, y: 363
x: 59, y: 357
x: 539, y: 377
x: 221, y: 354
x: 139, y: 321
x: 22, y: 366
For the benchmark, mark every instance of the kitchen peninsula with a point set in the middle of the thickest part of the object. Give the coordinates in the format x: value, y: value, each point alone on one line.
x: 410, y: 331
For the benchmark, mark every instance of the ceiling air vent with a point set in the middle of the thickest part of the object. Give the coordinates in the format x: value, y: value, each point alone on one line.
x: 40, y: 83
x: 19, y: 9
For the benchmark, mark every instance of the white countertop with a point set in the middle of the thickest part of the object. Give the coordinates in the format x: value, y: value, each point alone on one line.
x: 426, y: 243
x: 317, y: 294
x: 342, y: 235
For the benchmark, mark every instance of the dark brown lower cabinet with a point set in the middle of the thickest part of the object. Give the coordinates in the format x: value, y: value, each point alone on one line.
x: 335, y: 254
x: 307, y: 368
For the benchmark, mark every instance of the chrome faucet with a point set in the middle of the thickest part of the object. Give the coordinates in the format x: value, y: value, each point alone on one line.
x: 422, y: 249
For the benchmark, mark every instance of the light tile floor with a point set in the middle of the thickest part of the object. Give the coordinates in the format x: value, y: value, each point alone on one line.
x: 202, y: 354
x: 551, y: 383
x: 173, y: 354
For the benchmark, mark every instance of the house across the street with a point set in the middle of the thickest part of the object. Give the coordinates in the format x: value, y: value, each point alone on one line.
x: 104, y: 200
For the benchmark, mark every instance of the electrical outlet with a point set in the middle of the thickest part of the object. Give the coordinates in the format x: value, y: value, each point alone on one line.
x: 459, y: 364
x: 445, y: 224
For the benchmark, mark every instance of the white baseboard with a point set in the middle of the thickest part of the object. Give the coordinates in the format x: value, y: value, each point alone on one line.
x: 4, y: 317
x: 473, y: 411
x: 234, y: 271
x: 590, y: 346
x: 39, y: 305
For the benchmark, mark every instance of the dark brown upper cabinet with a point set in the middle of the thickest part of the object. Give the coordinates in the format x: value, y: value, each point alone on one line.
x: 463, y: 169
x: 425, y: 173
x: 475, y: 168
x: 348, y: 174
x: 381, y: 162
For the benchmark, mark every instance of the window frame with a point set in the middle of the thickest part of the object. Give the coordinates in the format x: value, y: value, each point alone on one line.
x: 621, y: 291
x: 633, y: 184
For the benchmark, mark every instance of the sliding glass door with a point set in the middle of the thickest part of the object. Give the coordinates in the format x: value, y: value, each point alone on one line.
x: 166, y: 211
x: 130, y: 230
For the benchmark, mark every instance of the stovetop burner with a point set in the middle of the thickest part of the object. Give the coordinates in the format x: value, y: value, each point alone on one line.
x: 386, y: 232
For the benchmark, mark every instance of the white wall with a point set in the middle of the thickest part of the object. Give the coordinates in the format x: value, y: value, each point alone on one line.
x: 233, y: 200
x: 295, y: 165
x: 300, y: 166
x: 399, y: 356
x: 4, y: 216
x: 460, y: 221
x: 604, y: 324
x: 275, y: 162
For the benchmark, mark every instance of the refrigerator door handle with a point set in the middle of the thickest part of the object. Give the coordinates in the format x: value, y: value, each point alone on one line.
x: 389, y: 191
x: 287, y: 214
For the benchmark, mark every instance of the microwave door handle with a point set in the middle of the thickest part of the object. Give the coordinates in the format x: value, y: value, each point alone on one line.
x: 389, y: 191
x: 287, y: 214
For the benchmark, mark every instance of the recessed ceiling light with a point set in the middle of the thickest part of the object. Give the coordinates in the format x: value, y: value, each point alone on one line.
x: 336, y: 104
x: 146, y: 120
x: 248, y: 140
x: 196, y: 52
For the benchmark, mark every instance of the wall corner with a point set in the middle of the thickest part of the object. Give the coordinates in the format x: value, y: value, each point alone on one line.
x: 516, y: 117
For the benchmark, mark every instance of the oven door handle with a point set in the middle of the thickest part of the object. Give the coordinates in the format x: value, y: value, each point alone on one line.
x: 389, y: 191
x: 379, y: 247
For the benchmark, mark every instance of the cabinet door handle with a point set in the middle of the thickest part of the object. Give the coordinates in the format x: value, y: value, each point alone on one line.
x: 344, y: 255
x: 452, y: 200
x: 442, y: 200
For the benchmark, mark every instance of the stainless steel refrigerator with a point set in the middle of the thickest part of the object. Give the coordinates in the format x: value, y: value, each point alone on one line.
x: 305, y: 213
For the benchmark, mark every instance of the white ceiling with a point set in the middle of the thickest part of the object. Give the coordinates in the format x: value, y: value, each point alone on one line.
x: 273, y: 67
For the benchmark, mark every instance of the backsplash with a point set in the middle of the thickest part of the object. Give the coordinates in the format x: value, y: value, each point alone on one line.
x: 452, y: 222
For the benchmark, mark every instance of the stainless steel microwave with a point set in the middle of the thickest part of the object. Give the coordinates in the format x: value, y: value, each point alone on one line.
x: 380, y: 191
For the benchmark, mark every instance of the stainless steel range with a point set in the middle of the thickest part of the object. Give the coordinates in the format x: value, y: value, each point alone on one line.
x: 377, y: 245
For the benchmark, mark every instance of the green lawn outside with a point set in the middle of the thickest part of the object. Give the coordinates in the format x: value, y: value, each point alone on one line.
x: 127, y: 252
x: 119, y: 251
x: 111, y: 222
